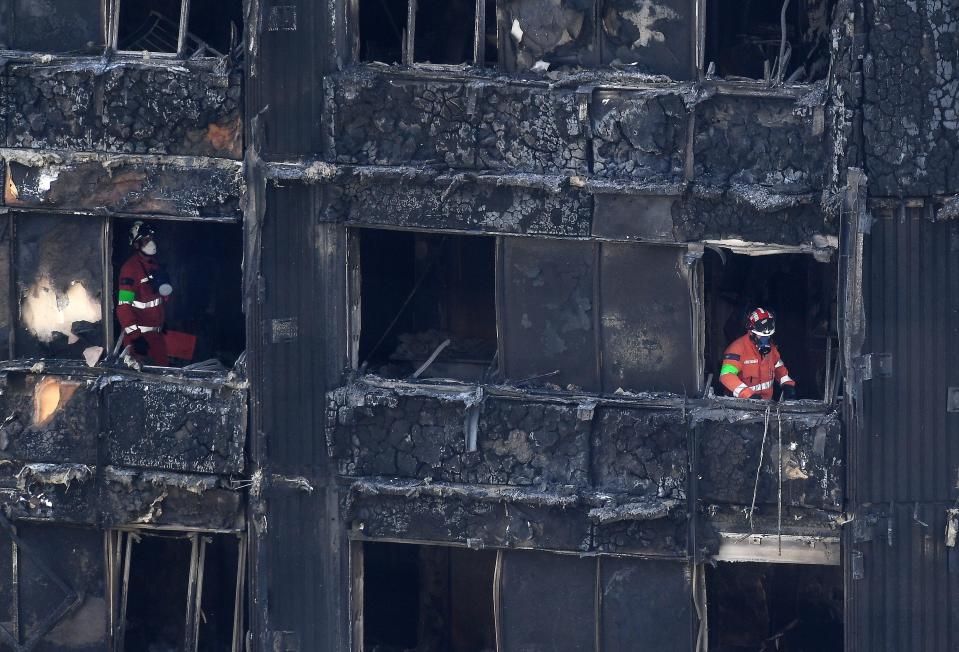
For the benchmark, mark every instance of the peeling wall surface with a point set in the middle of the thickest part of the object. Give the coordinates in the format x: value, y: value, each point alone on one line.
x: 584, y: 476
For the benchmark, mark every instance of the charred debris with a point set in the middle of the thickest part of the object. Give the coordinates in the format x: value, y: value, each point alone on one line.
x: 457, y: 278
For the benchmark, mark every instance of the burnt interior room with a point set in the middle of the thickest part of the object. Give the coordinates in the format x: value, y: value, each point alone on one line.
x: 58, y: 273
x: 420, y: 290
x: 755, y: 607
x: 382, y: 24
x: 204, y: 264
x: 153, y: 25
x: 800, y: 292
x: 444, y: 31
x: 743, y: 38
x: 427, y: 598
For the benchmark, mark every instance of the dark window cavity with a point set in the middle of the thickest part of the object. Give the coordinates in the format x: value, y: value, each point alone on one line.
x: 151, y: 25
x: 209, y: 28
x: 215, y: 27
x: 444, y: 31
x: 799, y: 290
x: 786, y: 607
x: 427, y: 598
x: 745, y: 38
x: 382, y: 30
x: 424, y: 294
x: 177, y: 591
x: 441, y: 31
x: 203, y: 262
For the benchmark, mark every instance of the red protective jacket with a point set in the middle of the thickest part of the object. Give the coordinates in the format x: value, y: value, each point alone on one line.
x: 745, y: 371
x: 140, y: 308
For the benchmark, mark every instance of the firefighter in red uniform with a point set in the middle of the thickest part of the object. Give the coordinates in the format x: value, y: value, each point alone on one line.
x: 143, y: 291
x: 751, y: 364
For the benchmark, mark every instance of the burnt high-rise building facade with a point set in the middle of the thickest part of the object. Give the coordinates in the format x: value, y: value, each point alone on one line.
x: 461, y: 275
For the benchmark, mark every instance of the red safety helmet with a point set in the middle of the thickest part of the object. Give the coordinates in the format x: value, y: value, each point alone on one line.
x: 761, y: 322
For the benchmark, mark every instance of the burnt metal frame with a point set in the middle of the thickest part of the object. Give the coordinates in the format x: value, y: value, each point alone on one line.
x: 72, y: 599
x: 118, y: 584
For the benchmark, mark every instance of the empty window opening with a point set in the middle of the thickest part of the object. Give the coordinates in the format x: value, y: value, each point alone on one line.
x: 151, y: 25
x: 491, y: 50
x: 203, y: 315
x: 424, y: 295
x: 175, y: 591
x: 215, y: 27
x: 427, y: 598
x: 444, y: 31
x: 784, y: 607
x: 744, y: 39
x: 800, y: 292
x: 382, y: 28
x: 157, y: 594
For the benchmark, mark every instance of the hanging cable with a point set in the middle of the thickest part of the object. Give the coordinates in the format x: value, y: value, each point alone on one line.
x: 759, y: 466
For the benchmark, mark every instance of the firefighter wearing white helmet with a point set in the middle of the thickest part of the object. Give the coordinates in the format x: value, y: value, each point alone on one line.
x: 143, y: 290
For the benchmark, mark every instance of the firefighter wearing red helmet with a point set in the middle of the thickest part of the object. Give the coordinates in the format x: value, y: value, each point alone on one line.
x: 143, y: 289
x: 751, y: 364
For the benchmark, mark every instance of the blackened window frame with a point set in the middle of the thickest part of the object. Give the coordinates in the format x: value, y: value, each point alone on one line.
x: 408, y: 41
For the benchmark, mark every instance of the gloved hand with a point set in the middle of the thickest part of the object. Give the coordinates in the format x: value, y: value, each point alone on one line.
x: 757, y: 396
x: 141, y: 346
x: 788, y: 393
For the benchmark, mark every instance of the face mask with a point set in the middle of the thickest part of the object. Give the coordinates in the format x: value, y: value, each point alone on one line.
x: 149, y: 248
x: 763, y: 343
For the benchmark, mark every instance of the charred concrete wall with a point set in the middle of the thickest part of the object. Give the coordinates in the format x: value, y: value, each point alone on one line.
x: 589, y: 476
x: 181, y: 108
x: 911, y: 98
x: 112, y: 450
x: 481, y: 153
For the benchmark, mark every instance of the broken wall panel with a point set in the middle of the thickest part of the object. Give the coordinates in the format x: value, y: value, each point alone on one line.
x: 49, y: 419
x: 446, y: 203
x: 549, y: 318
x: 157, y: 498
x: 187, y: 109
x: 59, y: 273
x: 647, y: 317
x: 778, y: 144
x: 65, y: 493
x: 731, y: 446
x: 57, y: 26
x: 639, y: 135
x: 136, y: 185
x: 709, y: 214
x: 558, y: 32
x: 660, y: 537
x: 910, y: 97
x: 652, y: 37
x: 191, y: 428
